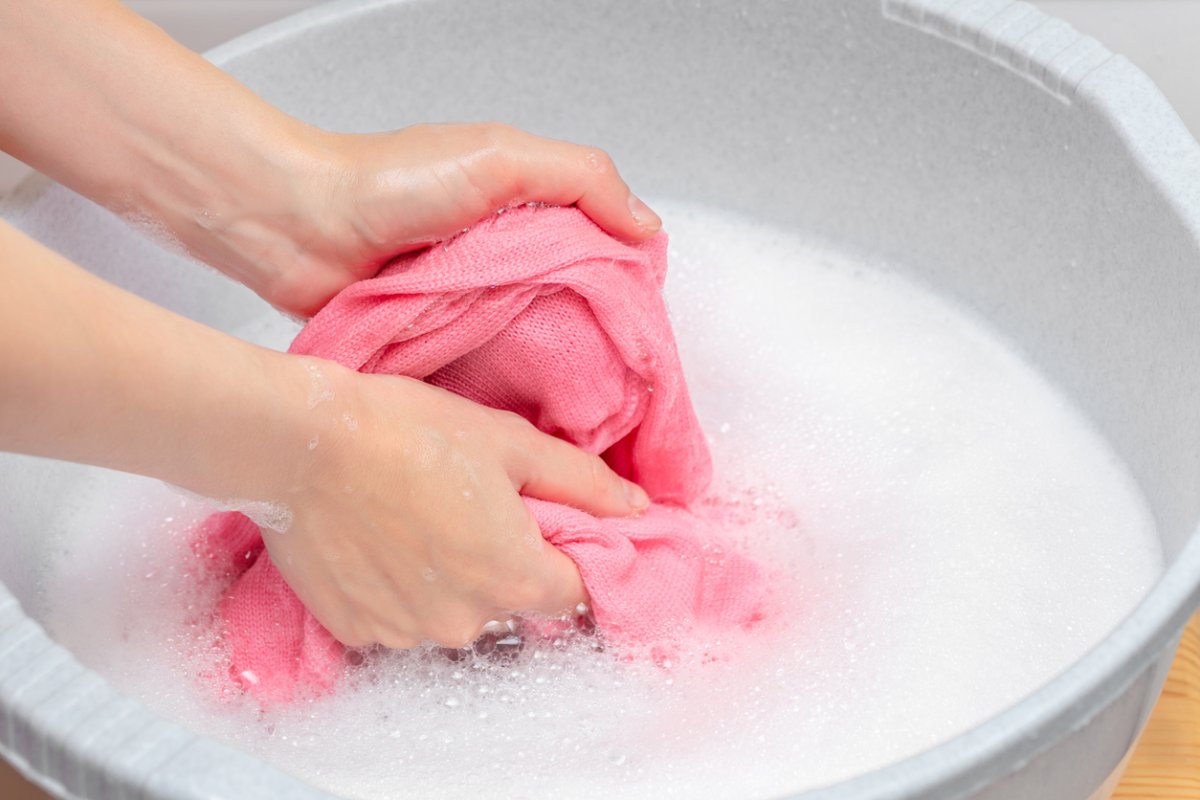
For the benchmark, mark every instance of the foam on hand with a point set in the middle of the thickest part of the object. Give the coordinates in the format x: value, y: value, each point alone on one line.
x: 952, y: 532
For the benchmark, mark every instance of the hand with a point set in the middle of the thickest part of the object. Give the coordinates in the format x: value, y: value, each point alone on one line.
x: 293, y: 212
x: 407, y: 524
x: 356, y: 201
x: 406, y: 519
x: 296, y: 214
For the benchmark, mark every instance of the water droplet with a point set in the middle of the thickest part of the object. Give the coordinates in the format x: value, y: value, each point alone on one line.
x: 320, y: 388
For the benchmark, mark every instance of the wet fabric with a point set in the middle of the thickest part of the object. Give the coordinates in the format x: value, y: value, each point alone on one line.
x: 539, y: 312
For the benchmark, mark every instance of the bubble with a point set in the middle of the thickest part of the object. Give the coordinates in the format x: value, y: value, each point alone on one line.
x: 951, y: 534
x: 276, y: 517
x: 273, y: 516
x: 497, y: 627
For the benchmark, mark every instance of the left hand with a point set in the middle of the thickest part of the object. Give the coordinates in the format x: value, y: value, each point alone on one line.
x: 356, y: 201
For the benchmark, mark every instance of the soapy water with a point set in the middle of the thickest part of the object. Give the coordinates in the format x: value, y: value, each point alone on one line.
x: 270, y: 516
x: 951, y: 534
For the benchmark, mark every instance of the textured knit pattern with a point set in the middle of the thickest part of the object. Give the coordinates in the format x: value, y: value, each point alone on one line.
x: 539, y: 312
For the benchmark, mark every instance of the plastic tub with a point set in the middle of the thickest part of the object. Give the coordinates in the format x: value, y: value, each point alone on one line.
x: 989, y: 149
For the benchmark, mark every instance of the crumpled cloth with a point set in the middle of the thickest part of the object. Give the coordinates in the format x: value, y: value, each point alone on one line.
x: 540, y: 312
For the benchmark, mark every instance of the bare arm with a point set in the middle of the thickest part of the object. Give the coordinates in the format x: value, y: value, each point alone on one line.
x: 91, y: 373
x: 106, y: 103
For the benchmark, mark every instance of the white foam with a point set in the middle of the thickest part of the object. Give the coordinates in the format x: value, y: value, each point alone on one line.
x: 265, y: 514
x: 954, y: 532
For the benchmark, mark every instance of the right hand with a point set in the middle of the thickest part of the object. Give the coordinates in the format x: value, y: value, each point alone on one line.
x: 408, y: 524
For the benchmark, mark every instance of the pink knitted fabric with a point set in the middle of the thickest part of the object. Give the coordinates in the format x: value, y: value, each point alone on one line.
x: 539, y: 312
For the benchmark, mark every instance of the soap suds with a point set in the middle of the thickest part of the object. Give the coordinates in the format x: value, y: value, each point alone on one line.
x: 953, y: 534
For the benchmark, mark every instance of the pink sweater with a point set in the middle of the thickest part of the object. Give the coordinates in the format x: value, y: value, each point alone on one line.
x: 539, y: 312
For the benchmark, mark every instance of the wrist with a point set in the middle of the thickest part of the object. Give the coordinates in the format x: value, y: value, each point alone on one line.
x: 114, y: 381
x: 268, y: 214
x: 280, y: 440
x: 252, y: 431
x: 237, y: 204
x: 170, y: 142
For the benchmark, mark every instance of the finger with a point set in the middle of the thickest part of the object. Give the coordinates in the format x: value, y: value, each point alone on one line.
x: 562, y: 586
x: 561, y: 173
x: 543, y: 579
x: 345, y: 631
x: 397, y: 640
x: 551, y: 469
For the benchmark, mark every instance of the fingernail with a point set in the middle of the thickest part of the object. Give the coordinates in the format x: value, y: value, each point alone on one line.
x: 636, y: 497
x: 645, y: 218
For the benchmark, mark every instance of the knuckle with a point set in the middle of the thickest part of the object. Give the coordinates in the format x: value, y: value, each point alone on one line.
x: 496, y: 141
x: 517, y: 430
x: 457, y: 634
x: 353, y: 636
x: 597, y: 479
x: 504, y: 152
x: 512, y: 420
x: 599, y: 161
x: 397, y: 640
x: 495, y: 132
x: 524, y: 594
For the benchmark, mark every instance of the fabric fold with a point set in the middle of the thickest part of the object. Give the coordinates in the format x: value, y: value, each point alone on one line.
x: 539, y: 312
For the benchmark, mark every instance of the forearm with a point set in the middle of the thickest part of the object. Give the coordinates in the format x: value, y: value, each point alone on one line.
x: 108, y: 104
x: 93, y: 374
